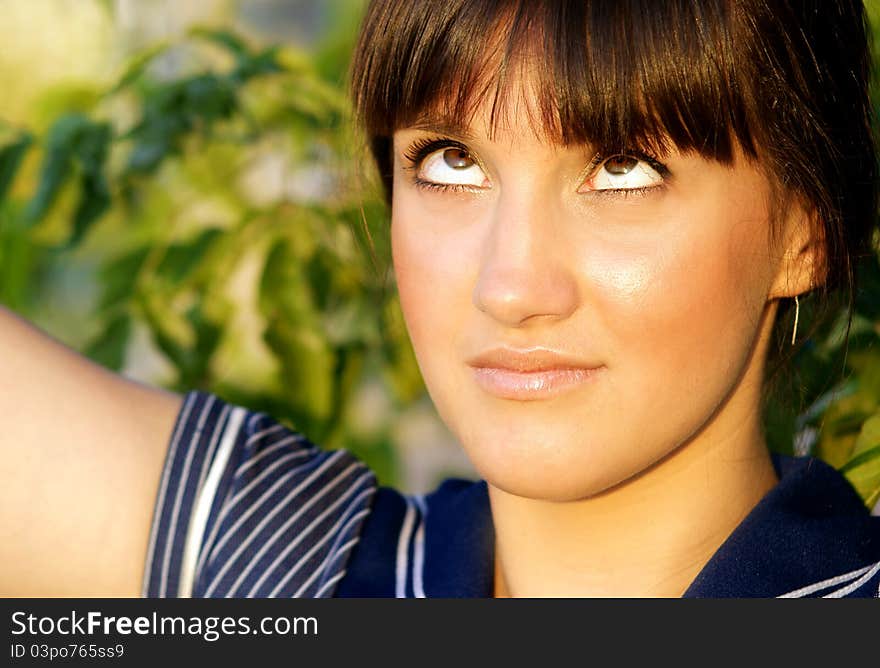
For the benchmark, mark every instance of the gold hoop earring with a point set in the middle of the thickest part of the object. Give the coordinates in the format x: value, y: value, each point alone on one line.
x: 797, y: 311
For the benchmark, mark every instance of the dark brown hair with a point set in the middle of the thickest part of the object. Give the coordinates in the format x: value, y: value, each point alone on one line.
x: 784, y: 80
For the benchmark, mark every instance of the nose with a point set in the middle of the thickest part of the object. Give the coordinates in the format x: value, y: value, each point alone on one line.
x: 524, y: 273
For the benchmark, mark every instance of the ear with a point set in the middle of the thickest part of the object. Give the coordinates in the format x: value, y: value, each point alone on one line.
x: 801, y: 255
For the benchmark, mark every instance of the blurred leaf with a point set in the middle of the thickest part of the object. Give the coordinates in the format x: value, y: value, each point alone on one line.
x: 346, y: 375
x: 284, y: 288
x: 866, y: 363
x: 293, y: 332
x: 10, y: 159
x: 869, y: 435
x: 228, y: 40
x: 307, y: 371
x: 349, y: 365
x: 320, y: 270
x: 840, y: 429
x: 147, y: 154
x: 108, y: 348
x: 370, y: 227
x: 57, y: 164
x: 401, y: 371
x: 21, y: 262
x: 171, y: 111
x: 863, y: 472
x: 74, y: 141
x: 187, y: 339
x: 209, y: 98
x: 379, y: 454
x: 248, y: 63
x: 172, y: 333
x: 264, y: 62
x: 94, y: 202
x: 208, y: 318
x: 313, y: 104
x: 137, y: 65
x: 91, y: 151
x: 118, y: 278
x: 180, y: 260
x: 354, y: 320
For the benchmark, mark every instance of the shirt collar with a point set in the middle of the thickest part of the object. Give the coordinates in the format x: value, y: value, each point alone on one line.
x: 459, y: 541
x: 811, y: 527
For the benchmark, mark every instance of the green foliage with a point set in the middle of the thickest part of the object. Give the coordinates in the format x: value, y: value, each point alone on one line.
x: 224, y: 225
x: 75, y: 144
x: 317, y: 295
x: 10, y: 159
x: 172, y: 111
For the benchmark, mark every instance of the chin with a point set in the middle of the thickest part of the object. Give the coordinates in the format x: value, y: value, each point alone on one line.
x: 551, y: 469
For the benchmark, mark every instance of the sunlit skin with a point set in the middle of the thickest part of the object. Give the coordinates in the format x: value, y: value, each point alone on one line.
x: 627, y: 482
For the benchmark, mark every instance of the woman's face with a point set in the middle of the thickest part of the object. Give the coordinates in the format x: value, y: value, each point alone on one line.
x: 578, y: 318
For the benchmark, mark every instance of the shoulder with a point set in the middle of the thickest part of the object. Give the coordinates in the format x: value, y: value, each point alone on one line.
x: 249, y: 508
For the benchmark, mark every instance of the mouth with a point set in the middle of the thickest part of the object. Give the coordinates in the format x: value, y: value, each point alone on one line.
x: 530, y: 375
x: 531, y: 385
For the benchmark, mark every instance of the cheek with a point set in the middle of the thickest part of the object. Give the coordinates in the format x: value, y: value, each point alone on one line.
x: 433, y: 268
x: 684, y: 303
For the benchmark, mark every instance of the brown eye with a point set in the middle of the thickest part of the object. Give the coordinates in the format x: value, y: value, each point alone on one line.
x: 457, y: 159
x: 624, y: 172
x: 618, y: 165
x: 451, y: 165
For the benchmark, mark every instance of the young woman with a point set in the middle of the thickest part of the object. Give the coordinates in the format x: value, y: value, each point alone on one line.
x: 597, y: 210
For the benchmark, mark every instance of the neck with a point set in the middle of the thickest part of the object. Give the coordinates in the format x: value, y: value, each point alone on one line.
x: 649, y: 535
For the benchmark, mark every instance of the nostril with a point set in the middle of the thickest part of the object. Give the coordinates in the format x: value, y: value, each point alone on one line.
x: 514, y: 296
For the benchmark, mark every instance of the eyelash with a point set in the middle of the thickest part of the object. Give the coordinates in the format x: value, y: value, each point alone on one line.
x: 645, y: 157
x: 423, y: 147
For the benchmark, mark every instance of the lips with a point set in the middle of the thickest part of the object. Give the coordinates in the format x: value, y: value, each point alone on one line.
x: 530, y: 375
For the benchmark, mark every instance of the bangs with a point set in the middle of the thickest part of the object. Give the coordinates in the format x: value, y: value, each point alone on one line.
x: 628, y: 74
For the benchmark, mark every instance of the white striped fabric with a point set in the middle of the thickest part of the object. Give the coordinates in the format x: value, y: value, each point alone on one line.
x: 410, y: 562
x: 204, y: 501
x: 419, y: 550
x: 401, y: 570
x: 247, y: 507
x: 850, y: 581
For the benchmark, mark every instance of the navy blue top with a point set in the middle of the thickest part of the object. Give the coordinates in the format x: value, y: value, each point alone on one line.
x: 248, y: 508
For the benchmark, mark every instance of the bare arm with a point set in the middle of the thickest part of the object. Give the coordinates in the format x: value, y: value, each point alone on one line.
x: 81, y: 453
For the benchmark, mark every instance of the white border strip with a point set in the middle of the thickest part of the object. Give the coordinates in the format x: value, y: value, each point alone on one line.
x: 182, y: 417
x: 204, y: 501
x: 813, y: 588
x: 852, y: 586
x: 419, y: 551
x: 403, y: 549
